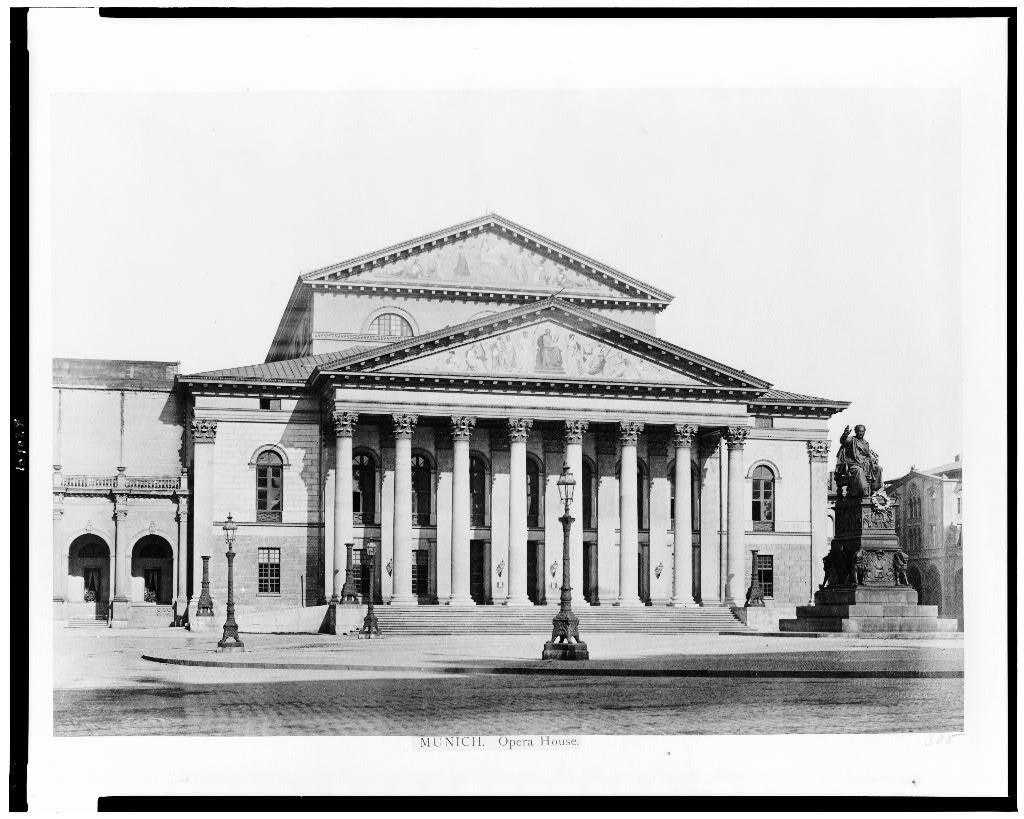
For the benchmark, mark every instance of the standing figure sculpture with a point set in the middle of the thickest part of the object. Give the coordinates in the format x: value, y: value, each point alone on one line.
x: 858, y: 469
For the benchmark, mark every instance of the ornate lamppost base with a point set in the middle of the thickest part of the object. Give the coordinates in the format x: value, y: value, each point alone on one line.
x: 370, y: 627
x: 565, y: 642
x: 565, y: 651
x: 230, y: 644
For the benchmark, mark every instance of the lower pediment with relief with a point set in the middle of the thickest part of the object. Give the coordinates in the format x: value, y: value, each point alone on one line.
x: 543, y: 350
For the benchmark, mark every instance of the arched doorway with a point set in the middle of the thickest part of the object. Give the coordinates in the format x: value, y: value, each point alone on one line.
x: 152, y: 571
x: 89, y: 572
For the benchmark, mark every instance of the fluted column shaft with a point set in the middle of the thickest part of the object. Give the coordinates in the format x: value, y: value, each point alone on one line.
x: 344, y: 422
x: 682, y: 522
x: 574, y: 430
x: 817, y: 455
x: 402, y: 558
x: 462, y: 431
x: 735, y: 579
x: 519, y: 431
x: 628, y: 523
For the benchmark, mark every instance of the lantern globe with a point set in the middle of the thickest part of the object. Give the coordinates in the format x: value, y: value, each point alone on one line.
x: 566, y: 485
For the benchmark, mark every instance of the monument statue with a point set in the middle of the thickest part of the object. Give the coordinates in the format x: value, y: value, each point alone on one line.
x: 857, y: 469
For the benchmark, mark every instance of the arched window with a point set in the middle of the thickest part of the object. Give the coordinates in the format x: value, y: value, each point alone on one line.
x: 588, y: 489
x: 390, y: 324
x: 364, y: 489
x: 269, y: 486
x: 763, y: 507
x: 422, y: 490
x: 477, y: 490
x: 534, y: 494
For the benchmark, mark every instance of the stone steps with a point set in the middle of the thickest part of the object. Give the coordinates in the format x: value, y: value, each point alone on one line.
x: 867, y: 610
x: 87, y: 622
x: 537, y: 620
x: 868, y: 624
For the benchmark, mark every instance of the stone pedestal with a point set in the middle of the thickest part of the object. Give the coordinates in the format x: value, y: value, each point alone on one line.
x: 119, y: 614
x: 866, y: 588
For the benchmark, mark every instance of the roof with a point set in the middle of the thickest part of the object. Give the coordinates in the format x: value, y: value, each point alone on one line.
x: 777, y: 399
x: 630, y: 287
x: 290, y: 370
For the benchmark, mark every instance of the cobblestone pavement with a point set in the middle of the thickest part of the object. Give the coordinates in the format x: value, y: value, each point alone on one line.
x: 103, y: 687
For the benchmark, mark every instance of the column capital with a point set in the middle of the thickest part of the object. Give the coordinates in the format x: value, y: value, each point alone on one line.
x: 629, y: 432
x: 204, y: 431
x: 344, y: 423
x: 403, y: 424
x: 120, y: 506
x: 818, y: 450
x: 683, y: 435
x: 462, y: 427
x: 519, y: 429
x: 574, y: 429
x: 736, y: 436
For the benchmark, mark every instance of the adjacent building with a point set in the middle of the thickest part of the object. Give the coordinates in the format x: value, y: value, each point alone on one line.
x: 930, y: 527
x: 420, y: 401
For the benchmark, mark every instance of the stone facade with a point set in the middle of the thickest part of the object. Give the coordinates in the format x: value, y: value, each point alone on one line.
x: 930, y: 528
x: 438, y: 444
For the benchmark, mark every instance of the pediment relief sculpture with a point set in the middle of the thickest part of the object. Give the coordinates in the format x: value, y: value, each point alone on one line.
x: 486, y: 260
x: 544, y: 349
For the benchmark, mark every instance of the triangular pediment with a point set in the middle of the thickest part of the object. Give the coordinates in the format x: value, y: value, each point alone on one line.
x: 488, y: 254
x: 548, y: 341
x: 546, y: 349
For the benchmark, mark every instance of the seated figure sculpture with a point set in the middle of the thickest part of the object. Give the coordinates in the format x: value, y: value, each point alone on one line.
x: 857, y: 470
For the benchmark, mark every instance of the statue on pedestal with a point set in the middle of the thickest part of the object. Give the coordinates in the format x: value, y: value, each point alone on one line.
x: 857, y: 466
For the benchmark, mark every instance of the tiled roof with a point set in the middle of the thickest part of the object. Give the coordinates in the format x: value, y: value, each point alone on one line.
x: 289, y: 370
x: 774, y: 396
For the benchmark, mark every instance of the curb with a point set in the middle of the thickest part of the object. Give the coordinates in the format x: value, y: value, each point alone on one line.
x: 569, y: 670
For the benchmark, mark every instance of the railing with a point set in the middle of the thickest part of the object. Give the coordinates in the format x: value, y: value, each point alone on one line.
x: 109, y: 483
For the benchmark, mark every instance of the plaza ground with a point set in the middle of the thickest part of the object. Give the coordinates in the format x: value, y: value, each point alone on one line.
x: 496, y: 685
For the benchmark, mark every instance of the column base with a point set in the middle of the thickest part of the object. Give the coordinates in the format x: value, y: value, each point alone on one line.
x: 403, y: 601
x: 119, y: 613
x: 516, y: 603
x: 628, y: 603
x: 461, y: 603
x: 683, y: 603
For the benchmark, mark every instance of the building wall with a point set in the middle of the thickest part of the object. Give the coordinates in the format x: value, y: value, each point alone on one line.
x: 343, y: 313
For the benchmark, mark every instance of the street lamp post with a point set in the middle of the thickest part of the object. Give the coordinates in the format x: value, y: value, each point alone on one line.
x: 755, y: 596
x: 565, y: 642
x: 370, y: 627
x: 230, y: 641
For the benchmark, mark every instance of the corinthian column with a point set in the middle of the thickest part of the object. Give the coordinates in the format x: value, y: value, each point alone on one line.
x: 682, y: 524
x: 735, y: 576
x: 518, y: 433
x: 344, y: 422
x: 574, y: 429
x: 462, y: 431
x: 629, y: 432
x: 402, y: 559
x: 817, y: 456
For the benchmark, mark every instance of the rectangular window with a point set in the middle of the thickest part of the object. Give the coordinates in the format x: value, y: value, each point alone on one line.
x: 766, y: 575
x: 269, y: 571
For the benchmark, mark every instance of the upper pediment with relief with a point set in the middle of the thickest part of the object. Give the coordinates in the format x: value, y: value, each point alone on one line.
x: 490, y: 253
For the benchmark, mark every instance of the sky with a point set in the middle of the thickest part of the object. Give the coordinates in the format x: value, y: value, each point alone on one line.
x: 809, y: 236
